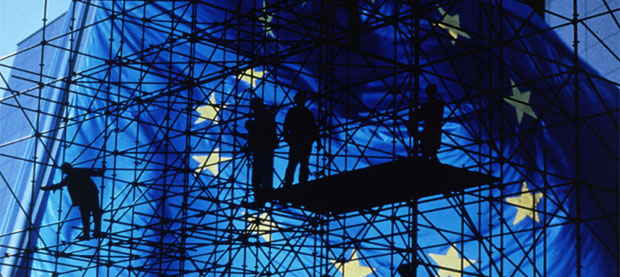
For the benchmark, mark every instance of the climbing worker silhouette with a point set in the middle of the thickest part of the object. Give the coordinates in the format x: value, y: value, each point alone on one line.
x: 84, y: 194
x: 431, y: 113
x: 262, y: 141
x: 300, y: 132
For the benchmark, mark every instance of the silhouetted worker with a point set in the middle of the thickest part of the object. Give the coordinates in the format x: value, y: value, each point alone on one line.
x: 84, y: 194
x: 262, y: 141
x: 431, y: 113
x: 300, y: 132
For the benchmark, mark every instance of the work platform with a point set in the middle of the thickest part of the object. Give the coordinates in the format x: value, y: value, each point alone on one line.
x: 392, y: 182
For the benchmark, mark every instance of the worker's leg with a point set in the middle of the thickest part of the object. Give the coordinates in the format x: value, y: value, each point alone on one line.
x: 293, y: 160
x: 256, y: 179
x: 268, y: 172
x: 85, y: 214
x: 304, y: 169
x: 97, y: 213
x: 93, y: 207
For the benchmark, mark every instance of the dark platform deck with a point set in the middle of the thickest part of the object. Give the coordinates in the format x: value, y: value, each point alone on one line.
x: 377, y: 185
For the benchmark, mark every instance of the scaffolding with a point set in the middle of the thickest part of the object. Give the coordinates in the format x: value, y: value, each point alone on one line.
x: 157, y: 93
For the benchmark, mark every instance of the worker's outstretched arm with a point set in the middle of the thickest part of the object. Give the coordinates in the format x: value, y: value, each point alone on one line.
x: 55, y: 186
x: 98, y: 171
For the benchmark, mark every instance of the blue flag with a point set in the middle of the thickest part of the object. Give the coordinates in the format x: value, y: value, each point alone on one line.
x: 161, y: 100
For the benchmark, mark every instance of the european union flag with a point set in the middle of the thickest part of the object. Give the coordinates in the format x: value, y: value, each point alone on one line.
x: 163, y: 89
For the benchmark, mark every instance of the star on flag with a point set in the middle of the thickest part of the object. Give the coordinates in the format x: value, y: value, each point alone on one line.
x: 451, y: 260
x: 262, y: 225
x: 452, y: 24
x: 210, y: 162
x: 251, y: 76
x: 521, y: 102
x: 266, y: 21
x: 209, y: 111
x: 526, y: 204
x: 353, y: 268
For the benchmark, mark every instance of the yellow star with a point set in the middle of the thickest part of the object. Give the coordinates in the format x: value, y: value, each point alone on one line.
x: 209, y: 111
x: 525, y: 204
x: 352, y: 268
x: 521, y: 102
x: 266, y: 20
x: 452, y: 24
x: 262, y: 225
x: 250, y: 76
x: 210, y: 162
x: 451, y: 260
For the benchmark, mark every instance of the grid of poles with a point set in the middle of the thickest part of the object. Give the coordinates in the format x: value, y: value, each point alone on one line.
x: 164, y: 214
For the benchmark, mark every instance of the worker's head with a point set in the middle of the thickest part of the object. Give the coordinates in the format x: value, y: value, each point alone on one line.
x: 300, y: 99
x: 66, y: 167
x: 256, y: 104
x: 431, y: 91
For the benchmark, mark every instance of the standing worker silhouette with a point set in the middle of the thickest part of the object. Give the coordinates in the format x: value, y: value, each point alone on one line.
x: 299, y: 132
x: 262, y: 141
x: 84, y: 194
x: 431, y: 113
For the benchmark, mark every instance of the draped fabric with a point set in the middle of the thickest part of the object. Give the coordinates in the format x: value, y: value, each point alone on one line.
x: 161, y: 92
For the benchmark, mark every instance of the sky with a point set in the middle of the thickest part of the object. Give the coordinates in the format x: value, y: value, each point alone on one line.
x: 19, y: 19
